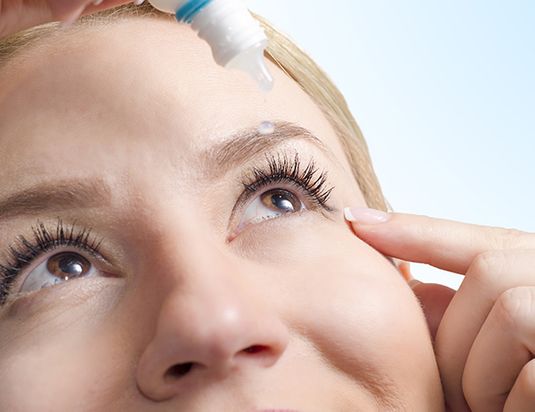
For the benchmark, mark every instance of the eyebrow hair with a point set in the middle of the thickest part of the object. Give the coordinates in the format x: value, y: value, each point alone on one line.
x: 68, y: 194
x: 250, y: 142
x: 56, y: 195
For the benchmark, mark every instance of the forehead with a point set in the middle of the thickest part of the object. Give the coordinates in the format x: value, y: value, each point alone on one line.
x: 143, y: 83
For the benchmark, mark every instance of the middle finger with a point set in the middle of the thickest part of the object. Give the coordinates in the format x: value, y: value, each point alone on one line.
x: 504, y: 345
x: 490, y: 274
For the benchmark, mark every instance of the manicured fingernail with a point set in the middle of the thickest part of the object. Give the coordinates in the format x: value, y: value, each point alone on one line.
x: 97, y: 2
x: 365, y: 215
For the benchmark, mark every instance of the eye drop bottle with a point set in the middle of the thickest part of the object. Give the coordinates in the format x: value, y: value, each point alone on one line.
x: 236, y: 38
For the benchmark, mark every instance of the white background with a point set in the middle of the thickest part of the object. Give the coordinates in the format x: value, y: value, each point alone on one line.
x: 444, y: 93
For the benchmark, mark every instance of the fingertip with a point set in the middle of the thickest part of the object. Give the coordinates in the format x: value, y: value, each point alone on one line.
x: 365, y: 215
x: 71, y: 18
x: 413, y: 283
x: 104, y: 5
x: 348, y: 215
x: 405, y: 269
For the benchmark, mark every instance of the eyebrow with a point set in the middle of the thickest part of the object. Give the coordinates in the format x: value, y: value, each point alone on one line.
x: 56, y: 195
x: 248, y: 143
x: 68, y: 194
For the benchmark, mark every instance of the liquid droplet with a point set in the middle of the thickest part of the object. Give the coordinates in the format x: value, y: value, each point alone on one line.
x: 266, y: 127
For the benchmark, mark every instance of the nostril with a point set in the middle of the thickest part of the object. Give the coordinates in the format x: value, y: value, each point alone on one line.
x: 181, y: 369
x: 254, y: 349
x: 178, y: 370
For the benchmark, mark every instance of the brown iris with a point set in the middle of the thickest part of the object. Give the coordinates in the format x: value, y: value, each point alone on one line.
x: 68, y: 265
x: 280, y: 200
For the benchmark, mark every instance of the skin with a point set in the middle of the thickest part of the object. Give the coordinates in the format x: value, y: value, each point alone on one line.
x: 330, y: 314
x: 485, y: 339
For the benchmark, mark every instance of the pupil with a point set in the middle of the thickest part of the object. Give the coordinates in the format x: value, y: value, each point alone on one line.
x: 67, y: 265
x: 70, y: 265
x: 284, y: 201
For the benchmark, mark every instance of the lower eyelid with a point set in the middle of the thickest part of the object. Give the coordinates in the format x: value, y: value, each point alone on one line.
x: 249, y: 226
x: 29, y: 305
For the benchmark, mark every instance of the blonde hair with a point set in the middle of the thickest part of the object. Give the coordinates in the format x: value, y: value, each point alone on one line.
x: 285, y: 54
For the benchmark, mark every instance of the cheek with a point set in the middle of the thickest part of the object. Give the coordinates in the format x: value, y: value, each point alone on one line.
x: 52, y: 373
x: 57, y: 355
x: 345, y: 296
x: 70, y: 371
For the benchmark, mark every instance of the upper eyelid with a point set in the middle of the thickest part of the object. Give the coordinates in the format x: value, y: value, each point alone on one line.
x: 290, y: 159
x: 306, y: 152
x: 252, y: 195
x: 275, y: 184
x: 93, y: 253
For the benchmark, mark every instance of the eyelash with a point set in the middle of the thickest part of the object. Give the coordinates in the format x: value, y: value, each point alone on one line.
x: 280, y: 169
x: 44, y: 240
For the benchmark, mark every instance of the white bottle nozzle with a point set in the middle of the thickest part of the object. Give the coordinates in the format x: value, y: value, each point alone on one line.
x: 236, y: 38
x: 167, y: 6
x: 252, y: 61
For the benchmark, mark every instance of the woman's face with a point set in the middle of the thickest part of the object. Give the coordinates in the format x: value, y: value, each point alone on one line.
x: 218, y: 272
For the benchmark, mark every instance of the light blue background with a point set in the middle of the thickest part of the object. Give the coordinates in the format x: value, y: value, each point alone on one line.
x: 445, y: 95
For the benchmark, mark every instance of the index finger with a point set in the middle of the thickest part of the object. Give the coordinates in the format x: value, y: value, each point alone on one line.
x: 15, y: 17
x: 108, y: 4
x: 442, y: 243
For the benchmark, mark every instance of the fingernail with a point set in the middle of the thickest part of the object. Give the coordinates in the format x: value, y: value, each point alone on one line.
x: 97, y: 2
x: 69, y: 21
x: 413, y: 282
x: 365, y: 215
x: 139, y: 2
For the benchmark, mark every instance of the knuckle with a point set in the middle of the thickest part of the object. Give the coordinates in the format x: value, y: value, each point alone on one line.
x: 516, y: 307
x: 509, y: 238
x: 488, y: 264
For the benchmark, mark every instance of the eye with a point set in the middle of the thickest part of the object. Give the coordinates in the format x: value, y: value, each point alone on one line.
x: 58, y: 268
x: 270, y: 204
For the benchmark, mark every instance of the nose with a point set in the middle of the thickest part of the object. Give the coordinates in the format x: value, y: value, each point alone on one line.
x: 208, y: 326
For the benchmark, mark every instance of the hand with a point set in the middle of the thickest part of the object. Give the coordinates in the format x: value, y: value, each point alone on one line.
x: 485, y: 339
x: 16, y: 15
